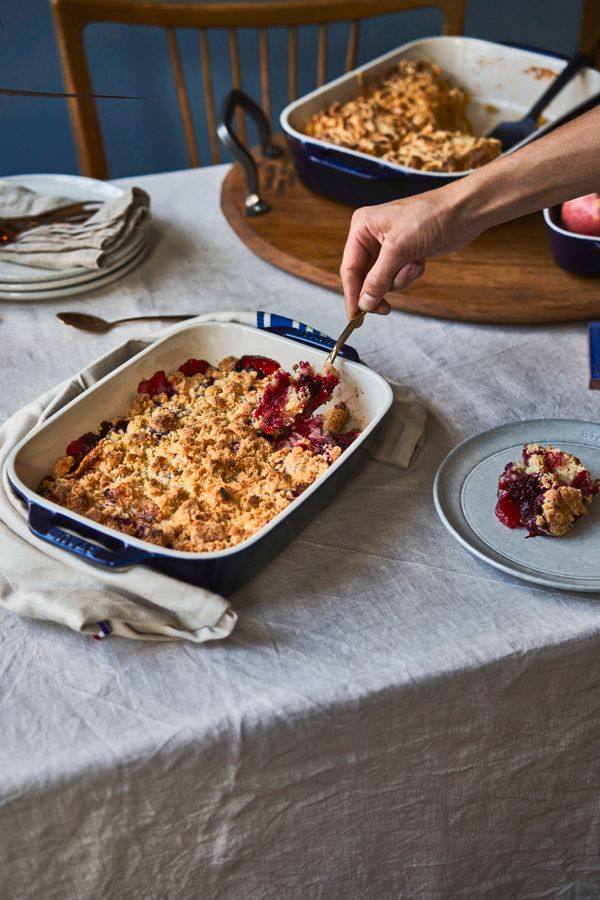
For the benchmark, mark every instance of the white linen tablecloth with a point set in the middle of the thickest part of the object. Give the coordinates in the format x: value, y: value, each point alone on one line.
x: 392, y: 717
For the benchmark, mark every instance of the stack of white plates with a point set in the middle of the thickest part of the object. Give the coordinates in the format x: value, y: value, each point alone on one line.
x: 31, y: 283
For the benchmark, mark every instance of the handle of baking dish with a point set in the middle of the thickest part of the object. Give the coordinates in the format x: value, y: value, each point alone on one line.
x: 235, y: 100
x: 302, y: 333
x: 45, y: 524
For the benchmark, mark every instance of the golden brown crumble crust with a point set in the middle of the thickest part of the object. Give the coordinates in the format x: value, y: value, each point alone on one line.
x: 412, y: 117
x: 190, y: 471
x: 562, y: 503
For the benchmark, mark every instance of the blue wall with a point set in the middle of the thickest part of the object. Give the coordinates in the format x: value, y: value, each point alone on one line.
x: 143, y: 137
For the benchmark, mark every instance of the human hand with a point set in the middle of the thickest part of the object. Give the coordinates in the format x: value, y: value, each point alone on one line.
x: 387, y: 245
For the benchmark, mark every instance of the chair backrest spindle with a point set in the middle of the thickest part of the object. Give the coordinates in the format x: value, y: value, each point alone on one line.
x: 292, y: 63
x: 265, y: 85
x: 182, y: 98
x: 352, y: 45
x: 590, y: 19
x: 322, y: 55
x: 236, y: 78
x: 209, y: 102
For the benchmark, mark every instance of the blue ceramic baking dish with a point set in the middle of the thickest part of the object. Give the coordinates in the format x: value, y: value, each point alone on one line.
x: 503, y: 83
x: 367, y: 394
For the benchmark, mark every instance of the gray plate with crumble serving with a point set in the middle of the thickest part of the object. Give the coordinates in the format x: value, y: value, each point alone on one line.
x: 465, y: 491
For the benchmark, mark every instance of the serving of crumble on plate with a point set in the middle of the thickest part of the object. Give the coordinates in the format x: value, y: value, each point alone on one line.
x: 501, y: 477
x: 546, y: 491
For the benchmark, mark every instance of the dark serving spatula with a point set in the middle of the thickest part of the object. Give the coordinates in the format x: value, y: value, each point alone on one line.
x: 511, y: 133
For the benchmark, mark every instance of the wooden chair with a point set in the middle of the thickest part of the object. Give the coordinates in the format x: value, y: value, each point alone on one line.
x: 71, y: 17
x: 590, y: 22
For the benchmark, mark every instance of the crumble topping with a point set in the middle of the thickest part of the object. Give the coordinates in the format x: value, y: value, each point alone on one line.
x: 207, y: 455
x: 546, y: 492
x: 411, y: 116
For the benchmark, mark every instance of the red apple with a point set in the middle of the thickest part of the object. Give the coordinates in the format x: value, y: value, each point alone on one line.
x: 582, y: 215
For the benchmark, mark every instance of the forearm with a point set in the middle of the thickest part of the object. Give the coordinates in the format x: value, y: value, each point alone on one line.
x: 388, y: 244
x: 563, y: 165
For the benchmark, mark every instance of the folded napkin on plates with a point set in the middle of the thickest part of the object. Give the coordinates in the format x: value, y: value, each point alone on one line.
x: 41, y: 581
x: 94, y: 244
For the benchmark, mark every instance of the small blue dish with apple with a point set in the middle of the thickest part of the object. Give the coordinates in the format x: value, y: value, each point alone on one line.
x: 574, y: 232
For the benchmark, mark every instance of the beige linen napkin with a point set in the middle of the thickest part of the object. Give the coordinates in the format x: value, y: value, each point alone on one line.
x: 96, y: 243
x: 41, y: 581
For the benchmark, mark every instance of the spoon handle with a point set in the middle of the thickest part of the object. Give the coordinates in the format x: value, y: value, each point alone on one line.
x: 355, y: 322
x: 179, y: 317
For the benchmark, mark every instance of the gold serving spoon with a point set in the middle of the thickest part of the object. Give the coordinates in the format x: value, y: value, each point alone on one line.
x: 355, y: 322
x: 88, y: 322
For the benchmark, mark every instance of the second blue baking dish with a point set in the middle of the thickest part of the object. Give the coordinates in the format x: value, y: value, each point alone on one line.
x: 503, y: 83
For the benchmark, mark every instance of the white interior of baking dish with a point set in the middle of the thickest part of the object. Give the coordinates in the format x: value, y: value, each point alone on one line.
x: 366, y: 393
x: 503, y: 84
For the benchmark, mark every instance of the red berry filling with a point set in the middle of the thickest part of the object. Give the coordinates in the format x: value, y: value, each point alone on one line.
x: 344, y: 440
x: 261, y: 364
x: 303, y: 391
x: 507, y: 510
x: 319, y: 386
x: 270, y: 411
x: 520, y: 497
x: 554, y: 459
x: 82, y: 445
x: 194, y: 367
x: 157, y: 384
x: 585, y: 484
x: 285, y: 412
x: 310, y: 434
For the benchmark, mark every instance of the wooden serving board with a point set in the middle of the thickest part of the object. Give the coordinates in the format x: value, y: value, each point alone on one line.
x: 508, y: 275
